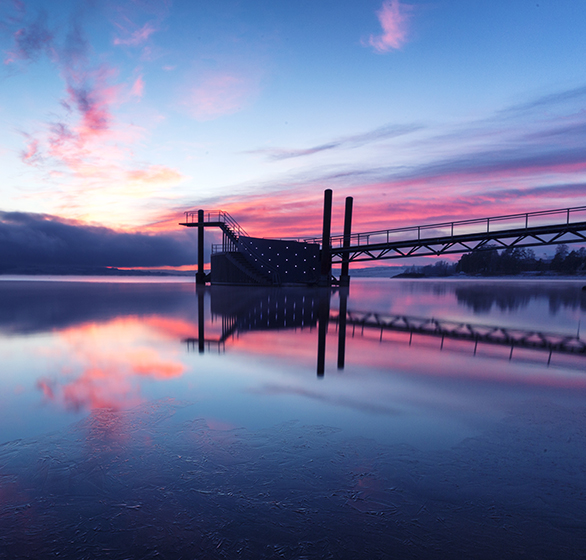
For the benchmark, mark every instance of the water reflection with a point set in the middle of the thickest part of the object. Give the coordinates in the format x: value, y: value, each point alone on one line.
x: 102, y: 365
x: 406, y: 444
x: 506, y: 295
x: 37, y: 306
x: 244, y: 310
x: 108, y: 343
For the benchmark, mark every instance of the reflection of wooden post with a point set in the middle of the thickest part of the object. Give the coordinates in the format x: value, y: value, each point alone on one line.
x: 326, y: 262
x: 200, y: 276
x: 344, y: 275
x: 200, y: 322
x: 342, y: 327
x: 322, y: 319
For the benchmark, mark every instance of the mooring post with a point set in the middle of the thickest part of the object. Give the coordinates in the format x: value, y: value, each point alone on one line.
x: 326, y: 261
x: 342, y: 326
x: 345, y: 275
x: 200, y: 276
x: 323, y: 318
x: 201, y: 337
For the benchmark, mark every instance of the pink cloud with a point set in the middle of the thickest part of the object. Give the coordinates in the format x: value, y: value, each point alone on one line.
x: 220, y: 94
x: 93, y: 96
x: 90, y: 96
x: 31, y: 153
x: 137, y: 88
x: 393, y: 17
x: 155, y: 174
x: 136, y: 37
x: 86, y: 151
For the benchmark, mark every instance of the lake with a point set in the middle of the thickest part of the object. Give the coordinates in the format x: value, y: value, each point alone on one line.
x: 399, y: 419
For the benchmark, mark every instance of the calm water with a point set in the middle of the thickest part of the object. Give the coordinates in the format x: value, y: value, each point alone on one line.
x: 145, y: 420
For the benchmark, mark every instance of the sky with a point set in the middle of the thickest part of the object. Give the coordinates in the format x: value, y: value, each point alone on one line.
x: 118, y: 116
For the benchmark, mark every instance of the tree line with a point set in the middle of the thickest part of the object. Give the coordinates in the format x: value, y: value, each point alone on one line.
x: 513, y: 260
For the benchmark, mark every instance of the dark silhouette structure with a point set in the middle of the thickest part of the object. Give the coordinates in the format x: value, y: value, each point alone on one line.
x: 241, y: 259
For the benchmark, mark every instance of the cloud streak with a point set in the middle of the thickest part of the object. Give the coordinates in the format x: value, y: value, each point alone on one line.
x: 517, y: 160
x: 556, y: 99
x: 354, y: 141
x: 137, y: 21
x: 136, y: 37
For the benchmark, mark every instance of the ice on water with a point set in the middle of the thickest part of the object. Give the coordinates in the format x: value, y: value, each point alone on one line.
x: 158, y: 482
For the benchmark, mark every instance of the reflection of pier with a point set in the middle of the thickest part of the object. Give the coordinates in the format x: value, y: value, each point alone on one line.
x: 245, y: 310
x: 489, y: 334
x: 254, y: 309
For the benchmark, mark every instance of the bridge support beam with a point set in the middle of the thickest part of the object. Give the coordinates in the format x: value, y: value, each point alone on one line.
x: 345, y: 273
x: 326, y: 259
x: 200, y: 276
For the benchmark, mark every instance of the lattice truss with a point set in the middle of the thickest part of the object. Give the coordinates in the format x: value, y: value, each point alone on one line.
x: 464, y: 243
x: 466, y: 331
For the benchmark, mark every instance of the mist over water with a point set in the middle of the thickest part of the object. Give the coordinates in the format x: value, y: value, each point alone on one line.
x: 140, y: 419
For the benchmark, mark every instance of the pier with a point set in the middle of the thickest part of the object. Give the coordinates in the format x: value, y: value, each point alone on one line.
x: 242, y: 259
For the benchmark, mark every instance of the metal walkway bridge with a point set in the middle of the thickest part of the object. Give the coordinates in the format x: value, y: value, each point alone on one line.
x: 531, y: 229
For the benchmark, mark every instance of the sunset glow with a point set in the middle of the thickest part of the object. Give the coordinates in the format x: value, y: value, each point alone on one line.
x: 124, y: 114
x: 107, y: 362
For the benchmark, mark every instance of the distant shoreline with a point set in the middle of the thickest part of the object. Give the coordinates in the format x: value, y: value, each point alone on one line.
x: 188, y: 279
x: 107, y: 272
x: 460, y: 276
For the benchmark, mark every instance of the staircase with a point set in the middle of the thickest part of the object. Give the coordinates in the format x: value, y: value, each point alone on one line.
x: 231, y: 228
x: 232, y: 231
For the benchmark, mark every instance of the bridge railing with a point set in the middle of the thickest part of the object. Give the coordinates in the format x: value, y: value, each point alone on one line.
x: 223, y: 248
x: 217, y: 216
x: 492, y: 224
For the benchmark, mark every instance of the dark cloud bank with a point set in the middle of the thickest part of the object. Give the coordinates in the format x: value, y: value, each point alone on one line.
x: 36, y: 243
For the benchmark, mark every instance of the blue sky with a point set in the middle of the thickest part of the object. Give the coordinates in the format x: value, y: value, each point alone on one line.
x: 126, y: 113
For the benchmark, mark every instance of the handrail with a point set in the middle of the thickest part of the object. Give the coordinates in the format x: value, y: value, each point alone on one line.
x: 220, y: 248
x: 217, y: 216
x: 449, y: 229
